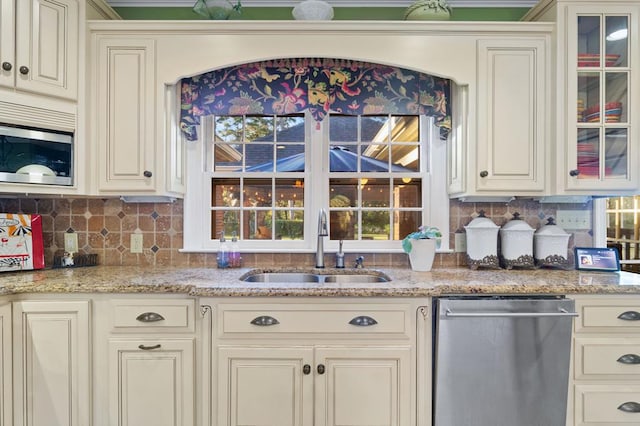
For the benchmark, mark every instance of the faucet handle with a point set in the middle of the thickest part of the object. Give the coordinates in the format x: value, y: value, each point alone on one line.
x: 340, y: 257
x: 359, y: 262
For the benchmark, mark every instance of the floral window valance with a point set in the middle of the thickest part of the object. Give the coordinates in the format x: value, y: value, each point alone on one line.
x: 288, y: 86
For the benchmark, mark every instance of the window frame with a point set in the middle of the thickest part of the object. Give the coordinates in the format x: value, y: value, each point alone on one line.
x: 197, y: 200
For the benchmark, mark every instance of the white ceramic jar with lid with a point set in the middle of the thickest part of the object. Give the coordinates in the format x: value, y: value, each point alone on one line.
x: 482, y: 242
x: 516, y: 243
x: 551, y: 245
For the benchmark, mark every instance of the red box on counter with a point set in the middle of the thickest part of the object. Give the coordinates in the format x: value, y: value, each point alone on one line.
x: 21, y: 246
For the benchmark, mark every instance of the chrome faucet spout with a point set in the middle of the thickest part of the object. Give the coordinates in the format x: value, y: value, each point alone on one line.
x: 322, y: 232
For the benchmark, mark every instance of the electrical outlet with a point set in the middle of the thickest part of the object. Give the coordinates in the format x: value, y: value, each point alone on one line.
x: 573, y: 219
x: 71, y: 242
x: 460, y: 242
x: 136, y: 243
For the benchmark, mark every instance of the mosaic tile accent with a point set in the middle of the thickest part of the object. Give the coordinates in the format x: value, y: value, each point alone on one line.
x: 104, y: 227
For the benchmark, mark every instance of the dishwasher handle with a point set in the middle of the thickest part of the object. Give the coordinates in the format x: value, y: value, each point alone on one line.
x: 562, y: 313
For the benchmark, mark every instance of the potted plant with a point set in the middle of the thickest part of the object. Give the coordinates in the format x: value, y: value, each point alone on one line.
x: 421, y: 247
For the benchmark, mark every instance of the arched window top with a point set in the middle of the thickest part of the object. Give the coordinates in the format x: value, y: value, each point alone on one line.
x: 289, y: 86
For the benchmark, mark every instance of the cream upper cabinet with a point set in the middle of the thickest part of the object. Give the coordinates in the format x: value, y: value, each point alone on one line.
x: 601, y: 71
x: 508, y: 156
x: 51, y: 360
x: 39, y: 46
x: 330, y: 362
x: 597, y: 68
x: 512, y: 116
x: 124, y: 115
x: 129, y: 151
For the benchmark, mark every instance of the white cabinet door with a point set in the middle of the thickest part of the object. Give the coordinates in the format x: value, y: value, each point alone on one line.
x: 363, y: 386
x: 46, y: 50
x: 7, y: 43
x: 151, y: 382
x: 6, y: 363
x: 512, y: 106
x: 124, y: 113
x: 265, y: 386
x: 51, y: 363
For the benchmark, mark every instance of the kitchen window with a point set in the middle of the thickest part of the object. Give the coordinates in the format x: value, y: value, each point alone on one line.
x: 264, y: 178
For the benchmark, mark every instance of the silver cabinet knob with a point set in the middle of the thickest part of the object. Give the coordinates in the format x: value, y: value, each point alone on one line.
x: 7, y: 66
x: 24, y: 70
x: 484, y: 173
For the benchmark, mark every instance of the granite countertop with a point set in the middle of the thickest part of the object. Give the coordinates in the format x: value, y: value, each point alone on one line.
x: 404, y: 282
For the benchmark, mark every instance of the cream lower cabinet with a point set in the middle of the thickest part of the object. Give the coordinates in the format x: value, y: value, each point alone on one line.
x: 329, y: 363
x: 51, y: 361
x: 6, y: 369
x: 151, y: 382
x: 145, y: 361
x: 606, y: 364
x: 339, y: 385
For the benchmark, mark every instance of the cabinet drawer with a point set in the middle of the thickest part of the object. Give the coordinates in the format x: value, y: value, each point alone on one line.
x: 599, y: 404
x: 615, y: 359
x: 319, y: 319
x: 608, y: 316
x: 169, y: 315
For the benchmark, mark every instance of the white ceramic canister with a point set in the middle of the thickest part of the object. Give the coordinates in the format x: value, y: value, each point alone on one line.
x: 516, y: 243
x: 551, y: 245
x: 482, y: 242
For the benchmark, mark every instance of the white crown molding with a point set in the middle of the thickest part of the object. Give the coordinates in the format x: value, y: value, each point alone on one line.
x: 335, y: 3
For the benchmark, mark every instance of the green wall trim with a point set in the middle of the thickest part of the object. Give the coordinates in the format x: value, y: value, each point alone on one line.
x: 341, y: 13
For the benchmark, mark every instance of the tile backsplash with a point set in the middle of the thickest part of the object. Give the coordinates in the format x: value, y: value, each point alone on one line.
x: 104, y: 227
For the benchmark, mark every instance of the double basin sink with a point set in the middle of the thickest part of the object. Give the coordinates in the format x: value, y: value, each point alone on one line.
x: 342, y: 277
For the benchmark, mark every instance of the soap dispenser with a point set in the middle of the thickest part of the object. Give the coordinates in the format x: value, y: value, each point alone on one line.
x: 223, y: 252
x: 235, y: 261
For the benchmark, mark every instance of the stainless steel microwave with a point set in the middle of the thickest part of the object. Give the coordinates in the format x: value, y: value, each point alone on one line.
x: 30, y: 155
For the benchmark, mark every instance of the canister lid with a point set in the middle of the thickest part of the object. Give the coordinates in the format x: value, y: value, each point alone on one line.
x: 551, y: 229
x: 481, y: 222
x: 517, y: 224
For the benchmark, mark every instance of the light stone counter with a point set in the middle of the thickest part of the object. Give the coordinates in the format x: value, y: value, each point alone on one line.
x: 404, y: 282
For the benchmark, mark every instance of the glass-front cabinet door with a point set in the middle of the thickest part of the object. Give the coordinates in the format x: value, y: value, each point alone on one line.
x: 602, y: 142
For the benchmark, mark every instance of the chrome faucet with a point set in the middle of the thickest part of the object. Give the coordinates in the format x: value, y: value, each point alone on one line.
x: 322, y: 232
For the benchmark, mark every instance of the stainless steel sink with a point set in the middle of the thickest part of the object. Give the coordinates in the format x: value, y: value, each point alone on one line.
x: 307, y: 277
x: 354, y: 278
x: 282, y: 277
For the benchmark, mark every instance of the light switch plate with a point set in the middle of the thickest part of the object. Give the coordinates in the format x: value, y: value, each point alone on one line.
x: 460, y: 242
x: 70, y: 242
x: 136, y: 243
x: 573, y: 219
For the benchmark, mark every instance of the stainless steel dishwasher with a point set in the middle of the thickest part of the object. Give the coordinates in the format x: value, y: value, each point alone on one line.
x: 501, y: 361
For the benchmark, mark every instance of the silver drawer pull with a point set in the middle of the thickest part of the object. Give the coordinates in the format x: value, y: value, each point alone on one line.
x: 264, y: 321
x: 150, y: 317
x: 629, y: 407
x: 363, y: 321
x: 629, y: 359
x: 629, y: 316
x: 149, y: 348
